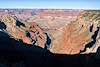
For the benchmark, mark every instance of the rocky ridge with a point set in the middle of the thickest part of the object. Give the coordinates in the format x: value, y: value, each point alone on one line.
x: 28, y: 32
x: 73, y: 32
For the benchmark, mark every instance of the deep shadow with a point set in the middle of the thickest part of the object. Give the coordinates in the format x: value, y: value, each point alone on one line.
x: 18, y: 23
x: 2, y: 25
x: 95, y: 34
x: 91, y: 28
x: 18, y: 54
x: 12, y: 52
x: 48, y: 42
x: 28, y: 34
x: 98, y: 53
x: 90, y: 44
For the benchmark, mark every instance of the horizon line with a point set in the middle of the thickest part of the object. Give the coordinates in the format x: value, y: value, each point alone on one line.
x: 56, y: 8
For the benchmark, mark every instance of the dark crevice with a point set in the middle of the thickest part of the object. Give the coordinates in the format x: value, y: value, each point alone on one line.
x: 34, y: 41
x: 91, y: 28
x: 2, y: 25
x: 48, y: 42
x: 94, y: 36
x: 18, y: 23
x: 28, y: 34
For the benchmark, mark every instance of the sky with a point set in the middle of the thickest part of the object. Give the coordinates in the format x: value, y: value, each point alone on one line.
x: 51, y: 4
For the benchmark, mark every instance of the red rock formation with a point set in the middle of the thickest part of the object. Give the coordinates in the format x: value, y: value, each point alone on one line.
x: 73, y: 38
x: 35, y: 32
x: 70, y: 31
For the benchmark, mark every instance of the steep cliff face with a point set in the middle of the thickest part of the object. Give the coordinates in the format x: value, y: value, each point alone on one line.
x: 93, y: 18
x: 29, y: 32
x: 60, y: 31
x: 36, y: 34
x: 81, y: 34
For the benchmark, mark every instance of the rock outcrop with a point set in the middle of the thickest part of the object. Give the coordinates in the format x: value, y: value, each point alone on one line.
x: 73, y: 38
x: 60, y: 31
x: 28, y: 32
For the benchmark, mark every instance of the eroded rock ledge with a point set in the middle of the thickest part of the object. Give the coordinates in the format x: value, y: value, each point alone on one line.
x: 81, y: 34
x: 57, y: 31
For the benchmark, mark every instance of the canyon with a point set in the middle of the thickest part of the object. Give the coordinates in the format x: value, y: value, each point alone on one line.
x: 60, y: 31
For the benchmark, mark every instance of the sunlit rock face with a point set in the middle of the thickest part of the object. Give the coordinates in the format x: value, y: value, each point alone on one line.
x: 59, y: 31
x: 28, y: 32
x: 74, y: 37
x: 36, y: 34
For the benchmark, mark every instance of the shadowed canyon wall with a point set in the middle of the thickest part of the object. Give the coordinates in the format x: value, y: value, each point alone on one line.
x: 59, y: 31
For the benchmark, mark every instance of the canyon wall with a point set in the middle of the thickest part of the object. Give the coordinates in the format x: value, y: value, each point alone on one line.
x: 60, y: 31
